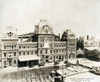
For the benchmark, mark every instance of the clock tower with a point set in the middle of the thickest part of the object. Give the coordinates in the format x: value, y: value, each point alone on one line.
x: 45, y: 39
x: 43, y: 27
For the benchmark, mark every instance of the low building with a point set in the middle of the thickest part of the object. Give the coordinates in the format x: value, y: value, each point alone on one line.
x: 91, y: 42
x: 92, y: 48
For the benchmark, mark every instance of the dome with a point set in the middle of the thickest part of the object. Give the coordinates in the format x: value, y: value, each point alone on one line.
x: 43, y: 27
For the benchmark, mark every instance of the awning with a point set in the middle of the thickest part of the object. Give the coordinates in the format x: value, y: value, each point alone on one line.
x: 70, y: 68
x: 59, y: 72
x: 28, y: 58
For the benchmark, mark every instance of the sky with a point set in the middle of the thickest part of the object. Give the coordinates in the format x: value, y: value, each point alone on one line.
x: 81, y: 16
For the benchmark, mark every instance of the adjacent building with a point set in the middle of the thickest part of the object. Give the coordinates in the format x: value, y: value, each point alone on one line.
x: 91, y: 43
x: 9, y: 49
x: 69, y: 37
x: 92, y: 48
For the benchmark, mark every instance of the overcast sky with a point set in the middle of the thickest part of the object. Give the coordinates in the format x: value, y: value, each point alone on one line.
x: 82, y: 16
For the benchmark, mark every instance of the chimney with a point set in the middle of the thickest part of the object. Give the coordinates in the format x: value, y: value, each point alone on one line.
x: 59, y: 34
x: 87, y: 37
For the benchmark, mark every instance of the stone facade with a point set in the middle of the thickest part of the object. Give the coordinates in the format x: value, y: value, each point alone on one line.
x: 9, y: 50
x: 42, y: 45
x: 71, y: 40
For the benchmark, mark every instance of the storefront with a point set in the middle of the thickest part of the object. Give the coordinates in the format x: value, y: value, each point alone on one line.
x: 29, y: 60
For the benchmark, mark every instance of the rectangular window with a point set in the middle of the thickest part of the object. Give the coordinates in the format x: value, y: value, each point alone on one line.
x: 32, y: 46
x: 14, y: 53
x: 41, y: 52
x: 19, y: 53
x: 24, y: 47
x: 14, y: 61
x: 40, y: 45
x: 62, y: 50
x: 50, y: 51
x: 35, y: 52
x: 50, y: 45
x: 4, y: 54
x: 54, y: 51
x: 12, y: 46
x: 4, y: 62
x: 46, y: 51
x: 35, y: 46
x: 4, y: 47
x: 27, y: 53
x: 15, y: 46
x: 31, y: 52
x: 19, y: 47
x: 59, y: 45
x: 28, y: 46
x: 59, y: 50
x: 62, y: 45
x: 23, y: 53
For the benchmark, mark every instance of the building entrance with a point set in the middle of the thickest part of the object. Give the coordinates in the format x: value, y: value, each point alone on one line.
x: 79, y: 56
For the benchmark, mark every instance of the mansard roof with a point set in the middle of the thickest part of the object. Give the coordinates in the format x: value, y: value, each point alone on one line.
x: 68, y: 34
x: 43, y: 27
x: 9, y: 33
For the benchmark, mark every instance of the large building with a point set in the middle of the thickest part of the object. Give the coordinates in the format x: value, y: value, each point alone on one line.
x: 40, y: 46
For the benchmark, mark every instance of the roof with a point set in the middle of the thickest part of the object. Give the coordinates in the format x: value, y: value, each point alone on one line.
x: 43, y: 27
x: 68, y: 34
x: 28, y: 58
x: 43, y: 22
x: 60, y: 72
x: 79, y: 51
x: 27, y: 35
x: 92, y: 48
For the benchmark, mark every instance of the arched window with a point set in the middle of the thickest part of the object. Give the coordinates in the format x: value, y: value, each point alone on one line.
x: 4, y: 47
x: 12, y: 46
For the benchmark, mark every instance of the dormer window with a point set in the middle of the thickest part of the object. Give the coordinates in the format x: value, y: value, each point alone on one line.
x: 10, y: 34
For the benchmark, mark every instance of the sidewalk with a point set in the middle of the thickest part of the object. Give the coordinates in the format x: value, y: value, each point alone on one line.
x: 85, y: 62
x: 8, y: 70
x: 14, y: 69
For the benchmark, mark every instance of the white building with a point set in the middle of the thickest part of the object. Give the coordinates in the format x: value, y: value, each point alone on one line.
x: 9, y: 48
x: 41, y: 46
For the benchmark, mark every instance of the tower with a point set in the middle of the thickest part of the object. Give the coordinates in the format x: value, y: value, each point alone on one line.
x: 70, y: 39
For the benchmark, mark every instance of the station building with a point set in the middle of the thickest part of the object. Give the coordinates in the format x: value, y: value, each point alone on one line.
x: 40, y: 46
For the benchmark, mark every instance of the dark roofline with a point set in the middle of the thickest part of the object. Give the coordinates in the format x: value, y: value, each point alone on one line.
x: 27, y: 33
